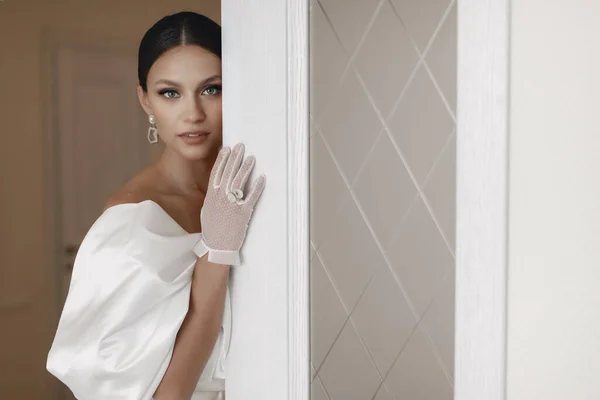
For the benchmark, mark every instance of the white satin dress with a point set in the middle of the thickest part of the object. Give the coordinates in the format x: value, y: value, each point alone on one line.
x: 129, y: 294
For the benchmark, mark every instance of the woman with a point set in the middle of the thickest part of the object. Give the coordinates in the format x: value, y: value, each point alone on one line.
x: 147, y: 315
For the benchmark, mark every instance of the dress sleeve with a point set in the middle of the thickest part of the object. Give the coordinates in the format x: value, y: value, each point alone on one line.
x: 128, y: 297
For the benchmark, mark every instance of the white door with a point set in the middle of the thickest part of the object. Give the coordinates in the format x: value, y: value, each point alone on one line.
x: 101, y: 130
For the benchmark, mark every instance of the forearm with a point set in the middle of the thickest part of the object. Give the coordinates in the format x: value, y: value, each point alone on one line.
x: 198, y: 333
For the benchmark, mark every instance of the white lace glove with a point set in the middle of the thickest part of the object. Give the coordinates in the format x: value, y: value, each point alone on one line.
x: 225, y: 214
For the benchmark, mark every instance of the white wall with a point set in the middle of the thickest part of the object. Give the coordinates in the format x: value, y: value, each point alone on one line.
x: 383, y: 95
x: 554, y: 242
x: 27, y: 295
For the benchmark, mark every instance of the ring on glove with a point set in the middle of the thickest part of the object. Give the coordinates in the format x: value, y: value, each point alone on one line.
x: 234, y: 196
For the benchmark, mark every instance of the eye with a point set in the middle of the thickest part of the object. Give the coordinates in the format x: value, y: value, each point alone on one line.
x: 212, y: 90
x: 169, y: 93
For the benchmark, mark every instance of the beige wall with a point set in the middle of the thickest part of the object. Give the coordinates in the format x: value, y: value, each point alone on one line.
x: 27, y: 313
x: 383, y: 187
x: 554, y: 241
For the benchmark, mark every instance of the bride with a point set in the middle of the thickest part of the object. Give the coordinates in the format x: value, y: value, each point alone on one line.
x: 148, y: 314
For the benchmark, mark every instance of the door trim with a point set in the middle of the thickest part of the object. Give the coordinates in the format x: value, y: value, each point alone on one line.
x: 298, y: 60
x: 482, y: 199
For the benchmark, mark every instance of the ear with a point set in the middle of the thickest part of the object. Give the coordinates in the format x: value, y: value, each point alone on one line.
x: 143, y: 98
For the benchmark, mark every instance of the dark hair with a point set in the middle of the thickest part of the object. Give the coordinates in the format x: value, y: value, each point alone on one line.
x: 176, y: 30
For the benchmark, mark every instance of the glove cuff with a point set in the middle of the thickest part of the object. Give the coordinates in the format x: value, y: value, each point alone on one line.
x: 225, y: 257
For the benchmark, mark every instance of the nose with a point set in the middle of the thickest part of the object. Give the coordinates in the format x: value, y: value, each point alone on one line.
x: 194, y: 111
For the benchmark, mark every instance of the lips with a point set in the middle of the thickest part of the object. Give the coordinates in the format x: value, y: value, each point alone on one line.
x: 193, y: 134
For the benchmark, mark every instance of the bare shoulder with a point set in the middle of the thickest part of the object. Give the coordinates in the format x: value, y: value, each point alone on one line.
x: 123, y: 197
x: 136, y: 190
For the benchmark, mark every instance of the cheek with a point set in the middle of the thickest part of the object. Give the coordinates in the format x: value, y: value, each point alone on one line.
x: 214, y: 109
x: 164, y: 120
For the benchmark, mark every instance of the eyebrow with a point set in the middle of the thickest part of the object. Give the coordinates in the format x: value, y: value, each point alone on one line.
x: 204, y: 82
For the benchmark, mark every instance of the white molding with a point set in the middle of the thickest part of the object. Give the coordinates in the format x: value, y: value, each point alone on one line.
x: 265, y: 106
x: 298, y: 200
x: 482, y: 199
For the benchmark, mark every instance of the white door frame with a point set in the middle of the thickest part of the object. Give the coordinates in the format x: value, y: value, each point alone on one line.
x: 482, y: 181
x: 265, y: 106
x: 482, y: 199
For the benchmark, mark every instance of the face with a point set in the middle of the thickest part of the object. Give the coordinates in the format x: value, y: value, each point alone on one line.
x: 184, y: 95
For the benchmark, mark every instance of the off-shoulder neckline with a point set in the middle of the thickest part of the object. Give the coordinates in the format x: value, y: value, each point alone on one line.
x: 120, y: 205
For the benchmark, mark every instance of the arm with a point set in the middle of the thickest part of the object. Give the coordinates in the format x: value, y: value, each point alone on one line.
x: 198, y: 333
x: 224, y: 219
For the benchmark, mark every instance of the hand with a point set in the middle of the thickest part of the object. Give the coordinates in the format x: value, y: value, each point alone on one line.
x: 226, y: 213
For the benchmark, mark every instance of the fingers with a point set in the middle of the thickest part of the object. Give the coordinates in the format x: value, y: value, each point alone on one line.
x: 228, y: 172
x: 216, y: 174
x: 239, y: 182
x: 233, y: 165
x: 256, y: 191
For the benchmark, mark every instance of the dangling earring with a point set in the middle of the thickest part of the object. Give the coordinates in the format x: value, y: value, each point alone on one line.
x: 152, y: 131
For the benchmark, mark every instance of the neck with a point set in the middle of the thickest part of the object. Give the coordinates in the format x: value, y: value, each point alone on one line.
x: 187, y: 177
